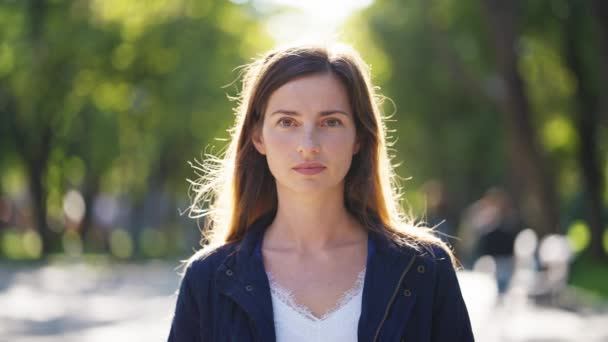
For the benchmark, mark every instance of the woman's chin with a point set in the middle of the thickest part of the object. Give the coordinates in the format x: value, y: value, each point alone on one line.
x: 310, y: 187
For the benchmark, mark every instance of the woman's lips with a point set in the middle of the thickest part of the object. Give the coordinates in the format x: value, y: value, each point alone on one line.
x: 309, y: 170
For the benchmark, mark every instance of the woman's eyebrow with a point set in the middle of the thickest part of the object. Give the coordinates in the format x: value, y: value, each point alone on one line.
x: 322, y: 113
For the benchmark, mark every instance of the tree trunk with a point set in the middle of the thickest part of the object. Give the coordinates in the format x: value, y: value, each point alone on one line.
x: 524, y: 150
x: 587, y: 123
x: 36, y: 170
x: 474, y: 87
x: 35, y: 154
x: 600, y: 9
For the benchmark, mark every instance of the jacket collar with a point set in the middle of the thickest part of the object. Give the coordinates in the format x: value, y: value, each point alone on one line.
x: 248, y: 284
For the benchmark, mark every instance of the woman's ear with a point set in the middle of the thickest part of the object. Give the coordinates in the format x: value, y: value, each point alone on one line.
x: 258, y: 140
x: 357, y: 147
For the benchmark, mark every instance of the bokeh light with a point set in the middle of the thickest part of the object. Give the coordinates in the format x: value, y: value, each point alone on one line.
x: 121, y: 244
x: 74, y: 206
x: 21, y: 245
x: 153, y: 242
x: 579, y: 236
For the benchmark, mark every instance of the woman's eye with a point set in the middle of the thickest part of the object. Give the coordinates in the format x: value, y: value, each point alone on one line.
x: 333, y: 122
x: 285, y: 122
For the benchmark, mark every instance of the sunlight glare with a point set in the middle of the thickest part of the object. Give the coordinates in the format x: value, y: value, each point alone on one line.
x: 317, y: 20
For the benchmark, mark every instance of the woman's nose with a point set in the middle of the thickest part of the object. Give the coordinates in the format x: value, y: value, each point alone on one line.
x: 308, y: 142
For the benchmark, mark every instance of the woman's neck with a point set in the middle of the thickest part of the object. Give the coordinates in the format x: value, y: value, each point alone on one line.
x: 311, y: 223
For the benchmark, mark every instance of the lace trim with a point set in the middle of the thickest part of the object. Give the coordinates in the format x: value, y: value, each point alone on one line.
x: 287, y: 297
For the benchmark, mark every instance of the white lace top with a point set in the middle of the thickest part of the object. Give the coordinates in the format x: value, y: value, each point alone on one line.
x: 294, y: 322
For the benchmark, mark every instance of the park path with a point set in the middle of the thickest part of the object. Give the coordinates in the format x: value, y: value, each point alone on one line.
x: 134, y: 302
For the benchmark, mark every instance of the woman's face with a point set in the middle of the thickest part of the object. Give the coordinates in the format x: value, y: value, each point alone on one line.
x: 308, y: 134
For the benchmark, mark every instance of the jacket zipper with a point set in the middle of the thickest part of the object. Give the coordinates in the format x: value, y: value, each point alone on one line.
x: 393, y: 297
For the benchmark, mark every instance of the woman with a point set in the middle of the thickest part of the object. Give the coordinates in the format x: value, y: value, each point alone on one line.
x: 305, y: 239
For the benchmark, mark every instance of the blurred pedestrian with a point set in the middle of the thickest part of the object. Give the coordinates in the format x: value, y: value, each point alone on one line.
x: 492, y: 224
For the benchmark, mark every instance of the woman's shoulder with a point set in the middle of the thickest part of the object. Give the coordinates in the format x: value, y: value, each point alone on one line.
x: 205, y: 261
x: 433, y: 253
x: 436, y: 252
x: 434, y: 261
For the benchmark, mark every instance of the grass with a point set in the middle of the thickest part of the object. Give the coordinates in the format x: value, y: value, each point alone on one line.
x: 591, y: 275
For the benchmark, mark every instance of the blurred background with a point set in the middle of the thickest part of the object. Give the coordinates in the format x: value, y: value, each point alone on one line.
x: 497, y: 117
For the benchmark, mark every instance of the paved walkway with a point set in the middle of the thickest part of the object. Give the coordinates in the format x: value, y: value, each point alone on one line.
x: 128, y: 302
x: 518, y: 320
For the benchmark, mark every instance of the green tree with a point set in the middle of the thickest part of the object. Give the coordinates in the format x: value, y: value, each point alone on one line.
x: 507, y: 93
x: 116, y: 95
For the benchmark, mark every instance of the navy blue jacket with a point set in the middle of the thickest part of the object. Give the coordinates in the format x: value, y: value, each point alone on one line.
x: 408, y: 295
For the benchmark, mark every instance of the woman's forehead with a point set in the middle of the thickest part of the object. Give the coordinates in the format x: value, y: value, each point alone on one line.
x: 315, y: 93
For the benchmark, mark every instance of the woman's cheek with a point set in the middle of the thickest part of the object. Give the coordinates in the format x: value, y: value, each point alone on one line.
x: 273, y: 137
x: 277, y: 150
x: 340, y: 143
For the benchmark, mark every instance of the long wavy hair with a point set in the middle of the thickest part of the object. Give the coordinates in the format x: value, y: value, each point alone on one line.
x: 236, y: 189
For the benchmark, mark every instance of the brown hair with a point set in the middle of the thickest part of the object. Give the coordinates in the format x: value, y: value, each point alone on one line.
x: 237, y: 189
